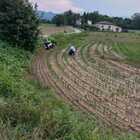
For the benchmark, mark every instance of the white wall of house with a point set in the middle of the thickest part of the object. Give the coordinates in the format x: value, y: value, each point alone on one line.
x: 105, y: 27
x: 89, y: 22
x: 78, y: 22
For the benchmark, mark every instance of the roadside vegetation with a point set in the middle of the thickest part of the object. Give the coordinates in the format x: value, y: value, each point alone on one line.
x: 70, y: 18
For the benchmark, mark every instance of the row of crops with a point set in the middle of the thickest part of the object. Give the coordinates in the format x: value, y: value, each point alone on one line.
x: 91, y: 82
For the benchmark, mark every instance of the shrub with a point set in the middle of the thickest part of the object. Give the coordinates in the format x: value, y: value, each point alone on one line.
x: 18, y: 23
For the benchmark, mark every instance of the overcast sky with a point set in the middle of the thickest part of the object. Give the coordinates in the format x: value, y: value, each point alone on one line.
x: 124, y: 8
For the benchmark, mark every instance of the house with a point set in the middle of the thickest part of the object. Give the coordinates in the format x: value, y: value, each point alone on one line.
x: 79, y: 22
x: 89, y: 22
x: 107, y: 26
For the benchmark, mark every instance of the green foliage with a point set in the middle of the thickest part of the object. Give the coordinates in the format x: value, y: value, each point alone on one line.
x: 18, y: 97
x: 18, y: 23
x: 136, y: 21
x: 70, y: 18
x: 64, y: 40
x: 52, y: 39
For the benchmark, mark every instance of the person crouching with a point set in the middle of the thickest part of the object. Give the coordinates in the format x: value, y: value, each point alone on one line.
x: 72, y: 51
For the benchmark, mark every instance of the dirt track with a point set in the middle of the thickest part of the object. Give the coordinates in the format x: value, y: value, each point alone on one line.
x: 90, y: 87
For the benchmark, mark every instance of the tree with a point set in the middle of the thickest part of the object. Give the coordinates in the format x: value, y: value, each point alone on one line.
x: 58, y: 20
x: 136, y: 20
x: 95, y: 17
x: 19, y: 23
x: 84, y: 18
x: 67, y: 18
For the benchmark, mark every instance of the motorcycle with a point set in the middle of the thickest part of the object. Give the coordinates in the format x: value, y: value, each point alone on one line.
x: 49, y: 45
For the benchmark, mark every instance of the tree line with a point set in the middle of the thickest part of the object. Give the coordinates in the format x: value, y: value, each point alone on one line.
x: 70, y: 18
x: 19, y: 23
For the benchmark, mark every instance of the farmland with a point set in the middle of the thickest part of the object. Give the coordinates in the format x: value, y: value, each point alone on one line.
x: 49, y: 29
x: 60, y: 106
x: 103, y: 78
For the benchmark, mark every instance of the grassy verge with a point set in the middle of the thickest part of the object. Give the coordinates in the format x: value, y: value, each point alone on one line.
x: 49, y: 29
x: 29, y: 112
x: 63, y: 41
x: 131, y: 51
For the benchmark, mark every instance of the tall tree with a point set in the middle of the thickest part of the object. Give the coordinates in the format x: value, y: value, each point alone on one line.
x: 19, y: 23
x: 58, y: 20
x: 67, y: 18
x: 70, y: 18
x: 136, y: 20
x: 84, y: 18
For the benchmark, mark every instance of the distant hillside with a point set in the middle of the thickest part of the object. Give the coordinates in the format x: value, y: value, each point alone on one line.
x: 46, y: 15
